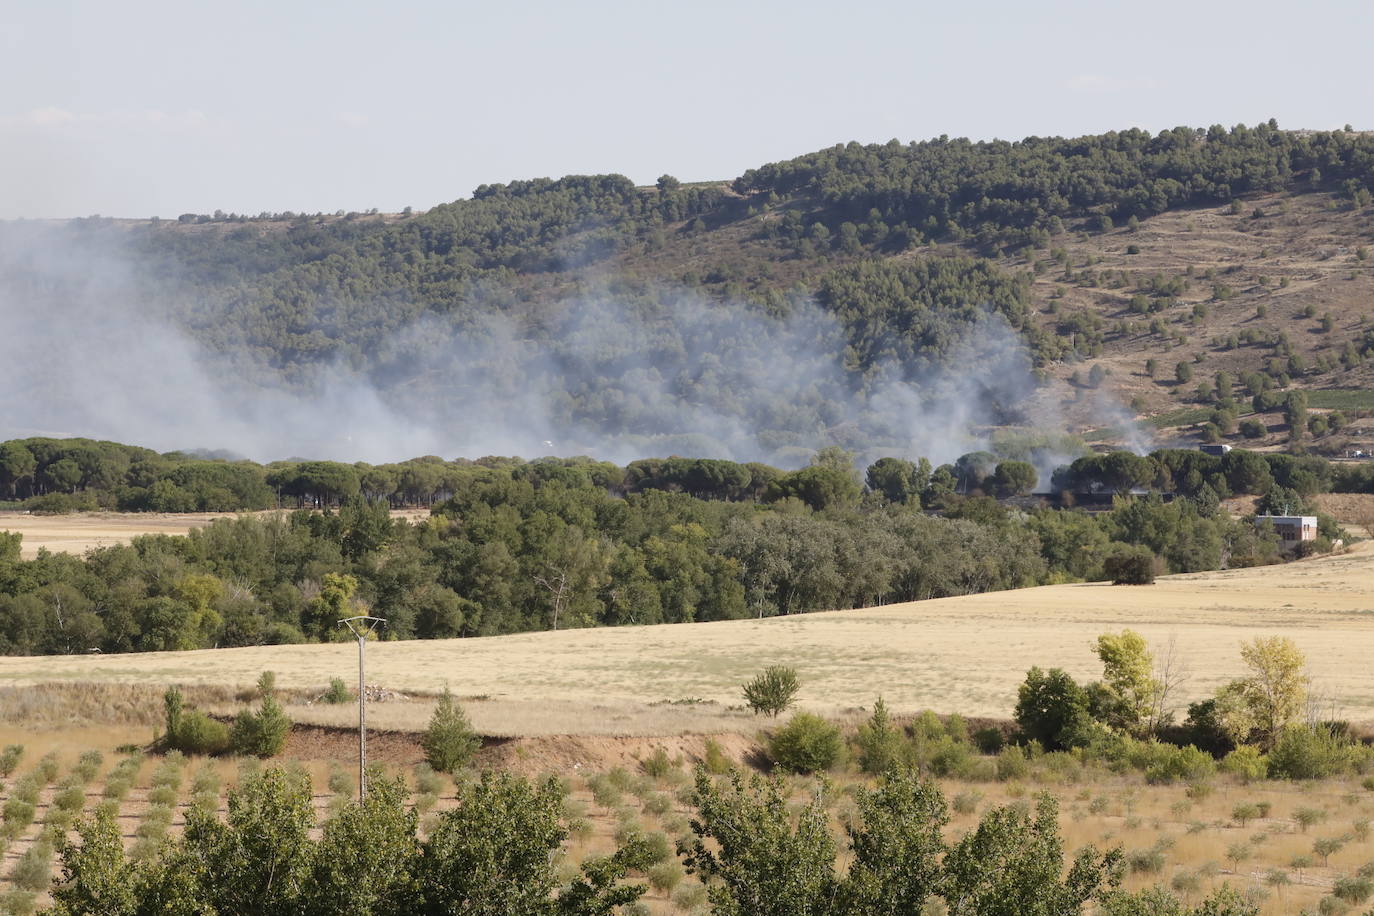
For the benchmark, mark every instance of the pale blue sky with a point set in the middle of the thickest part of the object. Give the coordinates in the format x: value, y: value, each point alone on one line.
x: 145, y: 107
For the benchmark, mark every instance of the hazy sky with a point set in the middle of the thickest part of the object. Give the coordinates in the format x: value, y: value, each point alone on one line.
x: 146, y: 107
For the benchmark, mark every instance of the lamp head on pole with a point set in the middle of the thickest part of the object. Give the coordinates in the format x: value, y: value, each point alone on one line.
x: 362, y: 625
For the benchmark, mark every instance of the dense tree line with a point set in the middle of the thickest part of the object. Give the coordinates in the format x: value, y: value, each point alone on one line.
x: 1013, y: 193
x: 62, y: 475
x: 518, y: 546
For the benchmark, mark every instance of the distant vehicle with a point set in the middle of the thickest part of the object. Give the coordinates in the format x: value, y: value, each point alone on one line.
x: 1214, y: 449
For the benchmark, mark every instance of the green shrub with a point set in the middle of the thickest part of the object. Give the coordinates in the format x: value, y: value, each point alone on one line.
x: 449, y: 742
x: 205, y: 802
x: 262, y: 733
x: 1130, y: 565
x: 197, y: 733
x: 206, y: 780
x: 927, y: 725
x: 1051, y: 708
x: 87, y: 766
x: 169, y: 773
x: 341, y: 782
x: 27, y: 789
x: 1012, y: 764
x: 657, y: 804
x: 1304, y: 752
x: 966, y: 802
x: 1187, y: 764
x: 162, y: 795
x: 1327, y: 846
x: 158, y: 813
x: 1308, y: 816
x: 620, y: 778
x: 9, y: 759
x: 989, y: 740
x: 18, y: 815
x: 33, y: 871
x: 806, y: 744
x: 47, y: 768
x: 658, y: 764
x: 1145, y: 861
x: 773, y: 691
x: 715, y: 760
x: 427, y: 781
x: 628, y: 828
x: 656, y: 847
x: 943, y: 756
x: 956, y: 726
x: 338, y: 692
x: 604, y: 792
x: 879, y: 741
x: 1353, y: 890
x: 689, y: 896
x: 71, y: 798
x: 665, y: 877
x: 1246, y: 763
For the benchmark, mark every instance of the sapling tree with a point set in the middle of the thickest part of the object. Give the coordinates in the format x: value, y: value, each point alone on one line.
x: 772, y: 691
x: 449, y: 742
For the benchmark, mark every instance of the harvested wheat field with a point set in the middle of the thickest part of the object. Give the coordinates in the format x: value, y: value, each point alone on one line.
x: 83, y: 531
x: 964, y: 655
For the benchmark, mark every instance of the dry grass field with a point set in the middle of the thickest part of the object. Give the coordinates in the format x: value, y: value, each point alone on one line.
x: 83, y: 531
x: 963, y: 655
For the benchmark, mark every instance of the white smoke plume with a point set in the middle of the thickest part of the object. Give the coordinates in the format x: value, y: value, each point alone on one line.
x: 83, y: 354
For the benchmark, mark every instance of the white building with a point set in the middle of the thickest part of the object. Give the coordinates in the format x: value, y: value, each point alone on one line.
x: 1291, y: 528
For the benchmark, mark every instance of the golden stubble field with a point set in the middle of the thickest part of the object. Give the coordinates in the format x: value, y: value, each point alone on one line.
x: 964, y: 655
x: 83, y: 531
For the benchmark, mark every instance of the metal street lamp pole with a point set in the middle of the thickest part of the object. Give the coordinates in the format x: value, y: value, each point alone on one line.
x: 360, y: 627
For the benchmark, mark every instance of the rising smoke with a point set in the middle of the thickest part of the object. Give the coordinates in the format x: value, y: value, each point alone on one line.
x: 85, y: 350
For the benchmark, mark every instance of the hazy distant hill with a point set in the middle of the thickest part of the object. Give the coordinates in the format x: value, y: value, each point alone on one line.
x: 1241, y: 250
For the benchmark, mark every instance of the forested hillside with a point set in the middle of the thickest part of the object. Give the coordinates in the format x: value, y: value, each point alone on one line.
x: 865, y: 296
